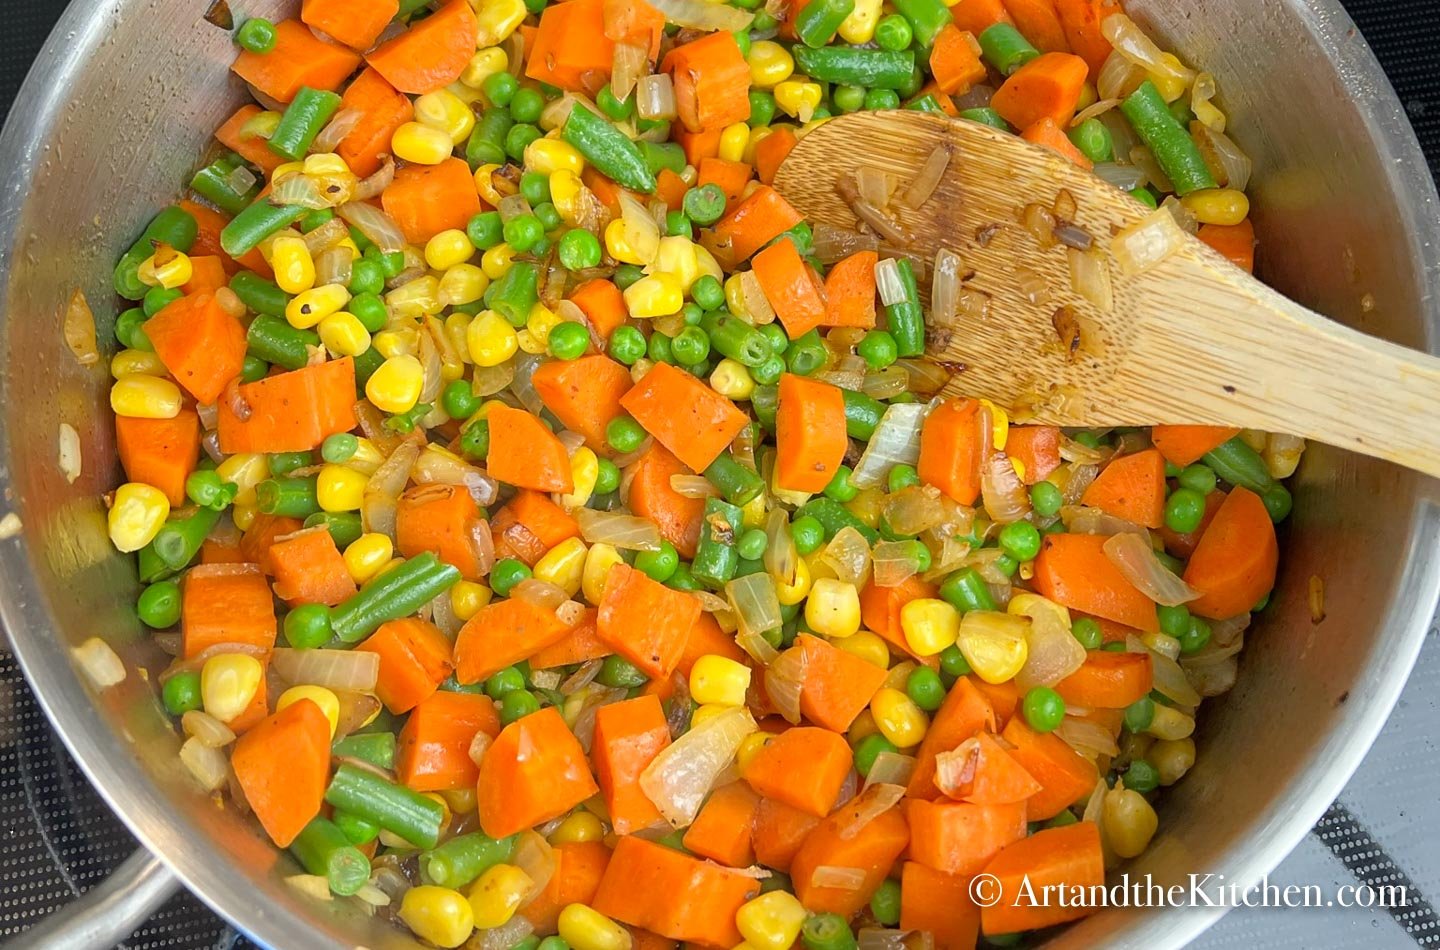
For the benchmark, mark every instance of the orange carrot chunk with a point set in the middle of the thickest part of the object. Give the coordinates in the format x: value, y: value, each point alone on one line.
x: 530, y: 525
x: 978, y: 15
x: 442, y: 519
x: 260, y: 537
x: 645, y: 621
x: 651, y: 496
x: 959, y: 838
x: 803, y: 767
x: 685, y: 415
x: 987, y: 774
x: 309, y: 568
x: 1051, y: 134
x: 756, y: 221
x: 850, y: 292
x: 955, y: 61
x: 283, y: 766
x: 571, y: 49
x: 939, y: 904
x: 809, y: 433
x: 603, y: 305
x: 712, y: 81
x: 583, y: 394
x: 628, y: 736
x: 698, y: 145
x: 730, y: 177
x: 160, y: 452
x: 723, y: 829
x: 201, y: 345
x: 1131, y: 487
x: 432, y: 53
x: 432, y: 753
x: 300, y: 58
x: 790, y: 286
x: 534, y: 771
x: 579, y: 866
x: 291, y: 412
x: 1047, y: 87
x: 1038, y: 22
x: 1107, y: 680
x: 208, y: 275
x: 838, y: 684
x: 772, y: 150
x: 414, y: 660
x: 503, y: 633
x: 834, y: 843
x: 225, y: 603
x: 780, y: 830
x: 1066, y: 860
x: 645, y: 884
x: 525, y: 454
x: 383, y: 109
x: 1234, y: 564
x: 427, y: 199
x: 1235, y: 241
x: 356, y: 23
x: 964, y: 712
x: 580, y: 643
x: 1064, y: 775
x: 1081, y: 19
x: 880, y: 608
x: 1185, y: 445
x: 1072, y: 570
x: 950, y: 447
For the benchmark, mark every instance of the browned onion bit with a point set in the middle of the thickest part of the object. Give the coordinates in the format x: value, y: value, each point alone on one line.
x: 877, y: 220
x: 219, y: 15
x: 1072, y: 236
x: 927, y: 179
x: 1067, y: 327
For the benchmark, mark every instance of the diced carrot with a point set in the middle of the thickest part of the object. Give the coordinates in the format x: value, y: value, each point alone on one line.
x: 299, y: 58
x: 685, y: 415
x: 1064, y: 775
x: 950, y: 448
x: 160, y: 452
x: 838, y: 684
x: 628, y: 736
x: 1234, y: 564
x: 580, y: 644
x: 257, y: 540
x: 432, y: 53
x: 772, y: 150
x: 809, y: 433
x: 1185, y: 445
x: 939, y: 904
x: 534, y: 771
x: 579, y: 866
x: 964, y: 712
x: 225, y: 603
x: 677, y: 516
x: 1038, y: 22
x: 208, y: 275
x: 427, y: 199
x: 646, y: 886
x: 1072, y: 570
x: 880, y: 608
x: 955, y: 60
x: 730, y: 177
x: 803, y: 767
x: 501, y: 634
x: 432, y: 753
x: 1067, y: 860
x: 283, y: 765
x: 442, y: 519
x: 645, y: 621
x: 309, y: 569
x: 253, y: 714
x: 1112, y: 632
x: 356, y: 23
x: 670, y: 188
x: 1035, y: 450
x: 978, y: 15
x: 780, y: 830
x: 698, y: 145
x: 634, y: 21
x: 790, y: 286
x: 850, y: 292
x: 583, y: 394
x: 529, y: 525
x: 756, y: 221
x: 833, y: 844
x: 712, y: 81
x: 524, y: 453
x: 291, y: 412
x: 1048, y: 133
x: 383, y: 109
x: 1107, y: 680
x: 943, y: 99
x: 960, y: 838
x: 201, y: 345
x: 1183, y: 545
x: 1004, y: 698
x: 707, y: 639
x: 990, y: 774
x: 1081, y: 21
x: 602, y: 303
x: 723, y: 829
x: 251, y: 148
x: 606, y: 190
x: 571, y: 49
x: 1235, y: 241
x: 414, y: 660
x: 216, y: 552
x: 1131, y: 487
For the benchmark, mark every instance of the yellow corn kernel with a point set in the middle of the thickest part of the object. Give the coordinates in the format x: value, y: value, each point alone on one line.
x: 137, y: 513
x: 339, y: 488
x: 750, y: 747
x: 1088, y: 97
x: 1218, y: 205
x: 578, y: 827
x: 540, y: 322
x: 496, y: 261
x: 999, y: 425
x: 862, y: 728
x: 565, y: 191
x: 462, y: 284
x: 677, y: 258
x: 529, y: 343
x: 294, y: 267
x: 709, y: 266
x: 447, y: 112
x: 819, y: 570
x: 548, y: 156
x: 485, y: 184
x: 720, y: 680
x: 497, y: 20
x: 497, y: 895
x: 1019, y: 467
x: 467, y: 597
x: 367, y: 554
x: 994, y: 644
x: 870, y: 647
x: 325, y: 165
x: 1162, y: 643
x: 563, y: 565
x: 771, y: 921
x: 437, y: 915
x: 1170, y: 724
x: 898, y: 718
x: 309, y: 307
x: 1172, y: 758
x: 136, y: 363
x: 657, y: 295
x: 484, y: 64
x: 757, y: 135
x: 730, y: 378
x: 490, y: 339
x: 243, y: 516
x: 797, y: 98
x: 753, y: 512
x: 585, y: 928
x: 1026, y: 604
x: 598, y: 561
x: 859, y: 26
x: 770, y: 64
x: 1129, y: 822
x: 618, y: 247
x: 228, y: 683
x: 404, y: 341
x: 930, y: 625
x: 1170, y: 83
x: 460, y: 800
x: 584, y: 472
x: 448, y: 248
x: 796, y: 591
x: 343, y: 334
x: 328, y: 702
x: 419, y: 298
x: 395, y: 386
x: 176, y: 270
x: 733, y: 140
x: 145, y: 397
x: 244, y: 470
x: 833, y: 608
x: 421, y: 144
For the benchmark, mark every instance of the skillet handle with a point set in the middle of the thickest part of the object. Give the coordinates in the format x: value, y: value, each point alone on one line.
x: 108, y: 912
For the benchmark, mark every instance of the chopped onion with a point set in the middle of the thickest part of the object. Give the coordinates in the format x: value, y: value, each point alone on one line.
x: 1118, y: 78
x: 1053, y: 652
x: 781, y: 555
x: 334, y: 669
x: 896, y: 441
x: 894, y: 563
x: 874, y: 185
x: 69, y: 452
x: 78, y: 325
x: 376, y: 183
x: 99, y: 662
x: 1140, y: 246
x: 313, y: 886
x: 693, y: 486
x: 1131, y: 42
x: 489, y: 380
x: 1232, y: 165
x: 1090, y: 277
x: 627, y: 64
x: 570, y: 613
x: 655, y: 97
x: 1169, y: 678
x: 378, y: 227
x: 926, y: 378
x: 625, y: 532
x: 1144, y: 159
x: 194, y: 663
x: 753, y: 598
x: 945, y: 287
x: 1087, y: 737
x: 1001, y: 490
x: 1080, y: 519
x: 761, y: 312
x: 436, y: 466
x: 582, y: 677
x: 382, y: 491
x: 699, y: 15
x: 372, y: 895
x: 642, y: 234
x: 479, y: 745
x: 509, y: 934
x: 1124, y: 177
x: 784, y: 681
x: 538, y: 593
x: 884, y: 383
x: 870, y: 804
x: 534, y: 855
x: 513, y: 206
x: 1135, y: 558
x: 877, y: 219
x: 847, y: 373
x: 889, y: 282
x: 831, y: 244
x: 298, y: 190
x: 840, y: 878
x: 1094, y: 110
x: 678, y: 779
x: 914, y: 509
x: 1201, y: 95
x: 890, y: 768
x: 848, y: 555
x: 927, y: 179
x: 206, y: 763
x: 205, y: 727
x: 340, y: 125
x: 326, y: 236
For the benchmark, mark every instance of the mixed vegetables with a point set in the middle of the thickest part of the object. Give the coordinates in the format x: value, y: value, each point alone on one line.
x: 554, y: 537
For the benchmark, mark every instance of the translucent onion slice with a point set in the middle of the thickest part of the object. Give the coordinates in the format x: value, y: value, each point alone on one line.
x: 626, y: 532
x: 1133, y: 555
x: 896, y: 441
x: 678, y: 779
x: 784, y: 681
x: 1140, y: 246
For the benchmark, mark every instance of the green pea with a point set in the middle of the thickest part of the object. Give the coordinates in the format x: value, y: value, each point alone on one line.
x: 523, y: 231
x: 208, y: 490
x: 868, y: 748
x: 808, y: 534
x: 689, y: 346
x: 485, y: 230
x: 877, y: 99
x: 885, y: 903
x: 256, y: 35
x: 624, y: 434
x: 840, y: 488
x: 370, y: 310
x: 181, y: 693
x: 535, y: 187
x: 366, y: 278
x: 517, y: 705
x: 848, y: 98
x: 1174, y: 621
x: 1184, y: 510
x: 619, y: 673
x: 677, y: 225
x: 1277, y: 502
x: 1195, y: 637
x: 708, y: 292
x: 1020, y: 540
x: 894, y: 33
x: 1044, y: 709
x: 752, y: 544
x: 308, y: 626
x: 1007, y: 565
x: 953, y: 662
x: 506, y: 573
x: 500, y: 88
x: 617, y: 109
x: 157, y: 298
x: 762, y: 108
x: 1046, y: 499
x: 568, y: 340
x: 504, y: 682
x: 1198, y: 478
x: 475, y: 440
x: 924, y: 687
x: 519, y: 137
x: 130, y: 330
x: 607, y: 477
x: 253, y: 369
x: 878, y: 349
x: 1142, y: 777
x: 1088, y: 632
x: 627, y: 344
x: 547, y: 215
x: 1139, y: 714
x: 768, y: 372
x: 459, y: 400
x: 159, y: 605
x: 579, y: 249
x: 901, y: 477
x: 658, y: 565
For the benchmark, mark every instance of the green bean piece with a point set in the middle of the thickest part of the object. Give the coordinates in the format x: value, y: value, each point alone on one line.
x: 966, y: 590
x: 323, y: 849
x: 486, y: 145
x: 607, y: 148
x: 149, y: 567
x: 394, y: 808
x: 357, y: 829
x: 213, y: 183
x: 178, y: 541
x: 833, y: 516
x: 927, y: 18
x: 253, y: 225
x: 302, y: 120
x: 662, y: 155
x: 715, y: 556
x: 738, y: 484
x: 287, y: 497
x: 173, y: 226
x: 862, y: 414
x: 261, y: 295
x: 397, y: 592
x: 986, y: 116
x: 1005, y: 49
x: 1175, y: 151
x: 733, y: 337
x: 344, y: 526
x: 807, y: 353
x: 827, y: 932
x: 905, y: 318
x: 1238, y: 464
x: 462, y: 859
x: 926, y: 103
x: 515, y: 294
x: 765, y: 401
x: 377, y: 748
x: 818, y: 20
x: 1093, y: 139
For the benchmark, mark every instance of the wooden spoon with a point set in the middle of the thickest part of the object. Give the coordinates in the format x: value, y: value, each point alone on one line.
x: 1193, y: 339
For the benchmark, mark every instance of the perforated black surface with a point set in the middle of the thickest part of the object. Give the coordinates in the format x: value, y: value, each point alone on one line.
x: 59, y: 839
